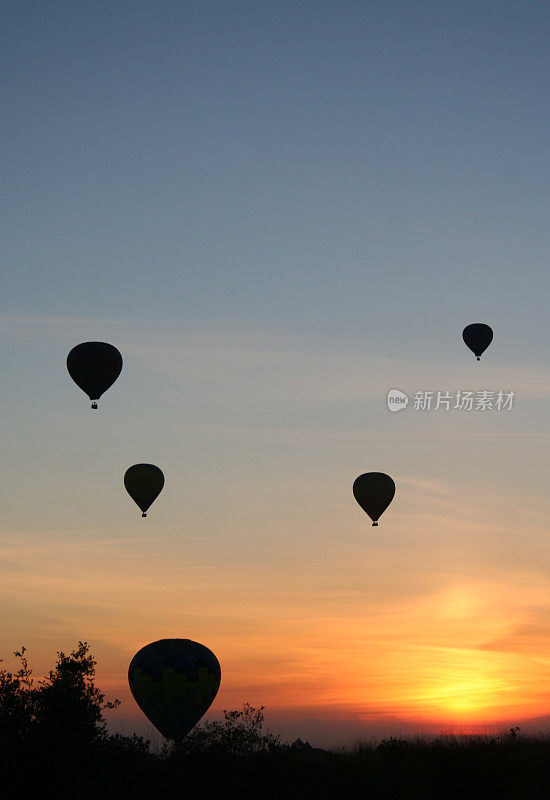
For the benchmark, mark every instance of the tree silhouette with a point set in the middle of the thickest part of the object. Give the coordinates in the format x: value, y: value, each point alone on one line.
x: 52, y: 730
x: 67, y: 706
x: 16, y: 715
x: 64, y: 709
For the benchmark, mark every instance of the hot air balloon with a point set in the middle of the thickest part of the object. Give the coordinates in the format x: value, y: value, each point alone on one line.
x: 143, y: 483
x: 374, y: 492
x: 94, y: 366
x: 477, y: 337
x: 174, y: 682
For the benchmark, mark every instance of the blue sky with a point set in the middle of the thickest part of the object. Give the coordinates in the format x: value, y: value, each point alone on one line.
x: 277, y: 212
x: 353, y: 170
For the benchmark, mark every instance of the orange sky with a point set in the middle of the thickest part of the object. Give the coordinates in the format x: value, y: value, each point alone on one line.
x: 257, y: 549
x: 470, y: 652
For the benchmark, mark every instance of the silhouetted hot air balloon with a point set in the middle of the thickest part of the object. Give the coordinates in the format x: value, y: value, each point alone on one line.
x: 143, y: 483
x: 477, y: 337
x: 174, y: 682
x: 94, y: 366
x: 374, y: 492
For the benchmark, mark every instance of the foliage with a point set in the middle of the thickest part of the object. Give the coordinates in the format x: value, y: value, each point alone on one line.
x: 240, y: 735
x: 67, y: 704
x: 15, y: 702
x: 63, y: 709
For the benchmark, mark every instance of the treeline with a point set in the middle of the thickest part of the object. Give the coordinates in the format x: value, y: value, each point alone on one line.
x: 54, y: 742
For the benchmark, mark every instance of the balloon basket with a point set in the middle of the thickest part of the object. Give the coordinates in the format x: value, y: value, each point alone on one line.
x: 144, y: 514
x: 374, y: 524
x: 94, y: 404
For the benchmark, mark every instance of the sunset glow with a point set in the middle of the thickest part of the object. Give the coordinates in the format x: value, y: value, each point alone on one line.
x: 277, y: 213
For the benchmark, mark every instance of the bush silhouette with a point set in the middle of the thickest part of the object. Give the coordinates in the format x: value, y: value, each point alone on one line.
x: 240, y: 735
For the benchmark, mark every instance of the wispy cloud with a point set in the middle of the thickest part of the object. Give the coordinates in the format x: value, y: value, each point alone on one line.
x: 291, y: 366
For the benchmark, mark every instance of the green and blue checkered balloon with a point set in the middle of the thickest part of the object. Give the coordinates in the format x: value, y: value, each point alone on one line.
x: 174, y: 682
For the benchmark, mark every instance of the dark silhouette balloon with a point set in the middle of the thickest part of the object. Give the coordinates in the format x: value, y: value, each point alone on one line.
x: 477, y: 337
x: 94, y: 366
x: 174, y: 682
x: 143, y: 483
x: 374, y: 492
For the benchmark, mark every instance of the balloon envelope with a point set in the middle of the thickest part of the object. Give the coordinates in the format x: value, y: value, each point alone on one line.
x: 143, y: 483
x: 374, y: 492
x: 174, y: 682
x: 94, y: 366
x: 477, y: 337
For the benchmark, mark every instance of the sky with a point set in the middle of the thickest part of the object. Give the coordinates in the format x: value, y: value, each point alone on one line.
x: 278, y: 212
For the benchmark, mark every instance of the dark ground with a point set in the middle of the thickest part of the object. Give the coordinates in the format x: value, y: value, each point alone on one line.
x: 517, y: 769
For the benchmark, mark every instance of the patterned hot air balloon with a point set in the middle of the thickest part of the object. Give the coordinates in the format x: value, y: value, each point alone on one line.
x: 174, y: 682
